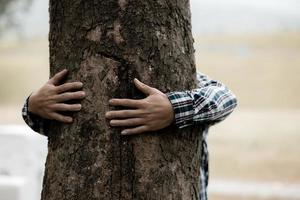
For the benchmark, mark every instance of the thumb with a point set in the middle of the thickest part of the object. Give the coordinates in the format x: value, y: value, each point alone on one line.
x: 143, y: 87
x: 58, y: 77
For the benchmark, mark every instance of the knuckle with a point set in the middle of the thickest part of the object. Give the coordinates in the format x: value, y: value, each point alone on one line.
x: 124, y: 113
x: 49, y: 117
x: 52, y: 116
x: 72, y: 95
x: 53, y: 89
x: 59, y: 118
x: 66, y: 107
x: 59, y: 88
x: 144, y: 103
x: 54, y: 98
x: 68, y: 96
x: 138, y: 120
x: 64, y: 95
x: 146, y: 127
x: 65, y: 86
x: 72, y: 86
x: 50, y: 107
x: 148, y: 117
x: 131, y: 122
x: 125, y: 101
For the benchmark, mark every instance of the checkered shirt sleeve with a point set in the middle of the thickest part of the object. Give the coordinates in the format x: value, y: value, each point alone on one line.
x: 210, y: 103
x: 35, y: 122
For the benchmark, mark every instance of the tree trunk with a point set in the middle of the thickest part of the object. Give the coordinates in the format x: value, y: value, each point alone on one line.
x: 106, y: 44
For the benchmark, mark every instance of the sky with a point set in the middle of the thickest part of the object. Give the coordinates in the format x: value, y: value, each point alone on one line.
x: 240, y: 16
x: 208, y: 16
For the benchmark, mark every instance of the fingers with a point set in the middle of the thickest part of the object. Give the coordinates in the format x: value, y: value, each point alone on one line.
x: 58, y: 77
x: 123, y: 114
x: 143, y: 87
x: 70, y: 96
x: 67, y: 107
x: 136, y: 130
x: 126, y: 103
x: 127, y: 122
x: 61, y: 118
x: 69, y: 86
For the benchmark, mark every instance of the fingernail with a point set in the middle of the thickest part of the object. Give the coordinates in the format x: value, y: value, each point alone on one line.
x: 124, y: 132
x: 110, y: 101
x: 106, y: 115
x: 80, y: 84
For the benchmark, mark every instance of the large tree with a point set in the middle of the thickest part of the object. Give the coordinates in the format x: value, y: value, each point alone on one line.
x: 105, y: 44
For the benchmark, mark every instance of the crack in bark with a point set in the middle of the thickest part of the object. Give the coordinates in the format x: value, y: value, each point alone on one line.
x: 113, y: 57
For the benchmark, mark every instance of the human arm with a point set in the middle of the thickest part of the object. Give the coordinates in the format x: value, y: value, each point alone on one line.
x: 210, y: 103
x: 49, y: 101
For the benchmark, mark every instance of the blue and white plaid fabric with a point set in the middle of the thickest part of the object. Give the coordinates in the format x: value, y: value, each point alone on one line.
x: 209, y: 104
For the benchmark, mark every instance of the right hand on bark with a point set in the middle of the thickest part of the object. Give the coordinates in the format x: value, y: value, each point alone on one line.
x: 50, y: 99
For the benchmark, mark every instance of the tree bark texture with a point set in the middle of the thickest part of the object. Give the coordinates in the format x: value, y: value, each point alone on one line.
x: 106, y: 44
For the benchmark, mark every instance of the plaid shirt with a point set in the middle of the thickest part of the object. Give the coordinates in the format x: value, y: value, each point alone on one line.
x: 209, y: 104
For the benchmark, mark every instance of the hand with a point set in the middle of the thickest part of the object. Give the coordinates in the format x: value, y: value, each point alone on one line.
x: 47, y: 102
x: 150, y: 114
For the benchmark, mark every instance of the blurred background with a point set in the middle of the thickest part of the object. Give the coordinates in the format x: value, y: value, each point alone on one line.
x: 253, y: 47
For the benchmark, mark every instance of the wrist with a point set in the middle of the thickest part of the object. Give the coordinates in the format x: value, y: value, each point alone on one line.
x: 31, y: 104
x: 169, y: 110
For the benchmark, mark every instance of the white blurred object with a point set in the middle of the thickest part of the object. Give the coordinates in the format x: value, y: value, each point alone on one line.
x: 12, y: 188
x: 266, y: 190
x: 22, y: 157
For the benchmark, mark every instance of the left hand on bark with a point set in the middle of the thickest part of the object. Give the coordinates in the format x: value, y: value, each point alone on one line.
x: 149, y: 114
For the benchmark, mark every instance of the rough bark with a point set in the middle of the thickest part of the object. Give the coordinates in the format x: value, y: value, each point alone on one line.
x: 105, y: 44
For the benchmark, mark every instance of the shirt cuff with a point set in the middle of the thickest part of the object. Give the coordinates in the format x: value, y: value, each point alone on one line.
x: 182, y: 104
x: 35, y: 122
